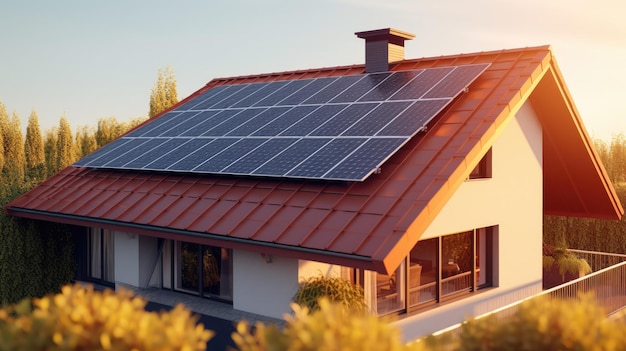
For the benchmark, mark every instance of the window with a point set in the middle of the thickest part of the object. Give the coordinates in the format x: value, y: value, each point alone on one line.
x: 436, y: 270
x: 483, y: 169
x: 198, y: 269
x: 101, y: 255
x: 390, y: 291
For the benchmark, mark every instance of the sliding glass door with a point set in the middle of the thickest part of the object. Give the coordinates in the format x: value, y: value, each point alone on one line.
x: 101, y: 260
x: 203, y: 270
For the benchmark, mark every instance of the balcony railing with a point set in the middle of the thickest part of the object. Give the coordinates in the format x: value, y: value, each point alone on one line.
x: 599, y: 260
x: 607, y: 283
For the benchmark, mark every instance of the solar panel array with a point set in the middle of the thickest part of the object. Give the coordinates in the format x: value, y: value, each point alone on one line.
x: 337, y: 128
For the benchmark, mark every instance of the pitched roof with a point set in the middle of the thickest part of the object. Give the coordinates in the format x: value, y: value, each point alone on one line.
x: 371, y: 224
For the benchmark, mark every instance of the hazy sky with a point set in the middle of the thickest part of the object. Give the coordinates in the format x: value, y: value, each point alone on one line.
x: 92, y: 59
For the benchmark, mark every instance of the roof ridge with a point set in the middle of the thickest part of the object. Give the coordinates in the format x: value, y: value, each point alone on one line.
x: 342, y: 68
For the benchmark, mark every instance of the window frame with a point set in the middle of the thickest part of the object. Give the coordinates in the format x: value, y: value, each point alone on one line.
x: 482, y: 261
x: 101, y: 264
x: 483, y: 169
x: 171, y: 271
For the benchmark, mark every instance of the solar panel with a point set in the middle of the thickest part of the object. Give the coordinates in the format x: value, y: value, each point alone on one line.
x: 331, y: 128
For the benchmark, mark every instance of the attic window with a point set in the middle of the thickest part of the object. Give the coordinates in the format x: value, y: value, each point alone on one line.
x: 483, y: 169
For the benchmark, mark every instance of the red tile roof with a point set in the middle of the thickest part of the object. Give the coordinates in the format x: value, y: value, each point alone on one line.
x: 372, y: 224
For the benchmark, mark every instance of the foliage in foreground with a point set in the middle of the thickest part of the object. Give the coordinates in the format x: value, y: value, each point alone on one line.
x: 334, y: 289
x: 540, y: 324
x: 331, y: 327
x: 537, y: 324
x: 83, y: 319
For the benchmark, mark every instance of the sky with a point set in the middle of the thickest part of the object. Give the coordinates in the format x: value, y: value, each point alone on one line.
x: 87, y: 60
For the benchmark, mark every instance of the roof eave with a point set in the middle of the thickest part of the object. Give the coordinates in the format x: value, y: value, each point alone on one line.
x: 575, y: 181
x: 266, y: 248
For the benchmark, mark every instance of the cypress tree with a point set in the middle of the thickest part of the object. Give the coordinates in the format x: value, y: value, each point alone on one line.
x: 13, y: 148
x: 164, y: 94
x: 1, y: 152
x: 4, y: 127
x: 65, y: 153
x: 108, y: 130
x: 34, y: 150
x: 50, y: 150
x: 85, y: 142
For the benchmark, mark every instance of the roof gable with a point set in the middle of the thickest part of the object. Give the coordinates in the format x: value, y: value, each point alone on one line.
x: 371, y: 224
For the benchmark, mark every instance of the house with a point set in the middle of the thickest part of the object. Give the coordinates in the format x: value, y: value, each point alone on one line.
x: 424, y: 180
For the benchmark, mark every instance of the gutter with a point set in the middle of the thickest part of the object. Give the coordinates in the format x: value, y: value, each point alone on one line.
x: 171, y: 233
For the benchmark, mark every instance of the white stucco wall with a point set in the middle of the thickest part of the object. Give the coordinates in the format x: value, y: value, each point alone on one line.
x: 135, y: 259
x: 267, y: 288
x: 307, y: 269
x: 262, y: 287
x: 149, y: 267
x: 512, y: 200
x: 126, y: 259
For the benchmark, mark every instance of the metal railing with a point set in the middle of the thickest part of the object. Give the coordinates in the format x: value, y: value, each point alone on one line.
x: 607, y: 284
x: 599, y: 260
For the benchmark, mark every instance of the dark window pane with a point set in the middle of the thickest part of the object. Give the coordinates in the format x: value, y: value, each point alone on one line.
x: 423, y: 272
x: 390, y: 291
x: 457, y: 262
x: 188, y: 268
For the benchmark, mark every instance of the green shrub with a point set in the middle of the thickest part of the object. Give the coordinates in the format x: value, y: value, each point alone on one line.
x: 335, y: 289
x: 83, y: 319
x: 331, y: 327
x: 566, y: 261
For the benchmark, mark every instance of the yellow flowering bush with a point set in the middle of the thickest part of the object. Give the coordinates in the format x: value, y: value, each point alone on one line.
x: 544, y: 324
x: 331, y: 327
x: 335, y: 289
x: 80, y: 318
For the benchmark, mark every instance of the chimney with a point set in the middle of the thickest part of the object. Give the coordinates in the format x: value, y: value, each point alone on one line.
x: 382, y: 47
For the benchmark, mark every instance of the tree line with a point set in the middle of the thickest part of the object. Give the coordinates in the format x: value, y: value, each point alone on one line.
x: 39, y: 154
x: 36, y: 257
